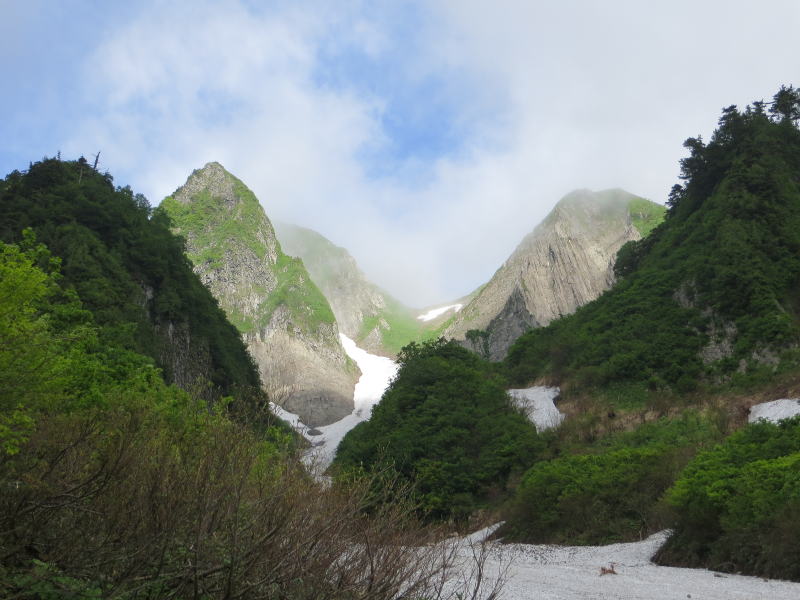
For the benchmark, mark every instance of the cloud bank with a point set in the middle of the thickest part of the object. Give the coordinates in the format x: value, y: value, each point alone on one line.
x: 426, y: 137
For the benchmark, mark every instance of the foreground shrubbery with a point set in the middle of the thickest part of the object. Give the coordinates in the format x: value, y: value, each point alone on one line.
x: 611, y: 492
x: 116, y: 485
x: 154, y: 497
x: 738, y: 505
x: 446, y: 425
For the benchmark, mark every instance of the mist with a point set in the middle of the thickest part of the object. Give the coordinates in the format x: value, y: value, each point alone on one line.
x: 425, y: 137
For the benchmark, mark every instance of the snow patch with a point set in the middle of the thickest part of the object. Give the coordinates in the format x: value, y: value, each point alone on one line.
x: 376, y: 374
x: 435, y: 312
x: 549, y: 572
x: 538, y: 402
x: 291, y: 418
x: 776, y: 410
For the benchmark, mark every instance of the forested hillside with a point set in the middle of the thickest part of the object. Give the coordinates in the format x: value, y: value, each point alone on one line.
x: 130, y: 271
x: 711, y: 294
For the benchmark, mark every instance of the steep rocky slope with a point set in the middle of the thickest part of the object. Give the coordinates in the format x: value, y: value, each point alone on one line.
x: 364, y: 312
x: 286, y: 322
x: 565, y: 262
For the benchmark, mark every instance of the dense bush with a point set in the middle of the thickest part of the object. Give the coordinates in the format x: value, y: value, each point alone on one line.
x: 723, y: 267
x: 610, y: 493
x: 738, y: 505
x: 447, y: 425
x: 116, y: 485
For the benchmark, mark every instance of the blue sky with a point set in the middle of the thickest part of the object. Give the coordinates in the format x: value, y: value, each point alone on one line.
x: 427, y: 137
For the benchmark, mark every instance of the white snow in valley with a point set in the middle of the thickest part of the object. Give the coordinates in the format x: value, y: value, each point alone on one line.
x: 776, y: 410
x: 538, y: 402
x: 291, y: 418
x: 376, y: 374
x: 548, y: 572
x: 435, y: 312
x: 545, y: 572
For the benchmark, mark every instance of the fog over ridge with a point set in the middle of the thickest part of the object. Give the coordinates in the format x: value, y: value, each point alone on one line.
x: 425, y: 137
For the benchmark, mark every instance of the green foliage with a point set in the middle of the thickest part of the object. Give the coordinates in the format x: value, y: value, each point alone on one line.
x: 610, y: 492
x: 126, y: 266
x: 45, y: 582
x: 216, y: 228
x: 726, y: 257
x: 446, y: 425
x: 738, y: 504
x: 299, y: 294
x: 398, y: 327
x: 645, y: 215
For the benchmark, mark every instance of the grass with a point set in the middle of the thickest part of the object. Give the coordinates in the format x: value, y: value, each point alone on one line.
x: 646, y: 215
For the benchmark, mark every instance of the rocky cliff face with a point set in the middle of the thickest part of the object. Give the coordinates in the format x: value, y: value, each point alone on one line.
x: 565, y: 262
x: 364, y: 312
x: 284, y: 319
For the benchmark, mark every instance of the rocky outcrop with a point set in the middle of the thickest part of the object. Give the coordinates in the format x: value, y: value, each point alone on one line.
x: 565, y: 262
x: 352, y: 297
x: 186, y: 359
x: 364, y: 312
x: 284, y: 319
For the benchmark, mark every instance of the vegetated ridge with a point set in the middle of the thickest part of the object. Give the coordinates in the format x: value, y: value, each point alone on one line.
x: 710, y: 295
x: 371, y: 317
x: 285, y: 320
x: 565, y: 262
x: 130, y: 271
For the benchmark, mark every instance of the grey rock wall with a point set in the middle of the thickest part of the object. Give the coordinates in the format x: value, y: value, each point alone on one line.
x: 565, y: 262
x: 300, y: 358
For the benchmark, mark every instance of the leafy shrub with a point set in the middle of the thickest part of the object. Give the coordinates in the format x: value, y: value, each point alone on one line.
x: 609, y: 494
x: 738, y: 505
x: 447, y: 425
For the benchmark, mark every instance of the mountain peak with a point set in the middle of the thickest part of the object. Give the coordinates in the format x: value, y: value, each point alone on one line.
x: 214, y: 181
x: 282, y: 316
x: 566, y: 261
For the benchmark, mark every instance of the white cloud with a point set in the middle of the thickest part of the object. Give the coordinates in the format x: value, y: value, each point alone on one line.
x: 550, y: 98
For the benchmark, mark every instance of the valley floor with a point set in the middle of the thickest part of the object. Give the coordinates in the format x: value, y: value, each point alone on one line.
x: 544, y: 572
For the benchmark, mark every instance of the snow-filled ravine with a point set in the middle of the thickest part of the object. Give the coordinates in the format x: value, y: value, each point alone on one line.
x: 436, y: 312
x: 544, y: 572
x: 376, y: 374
